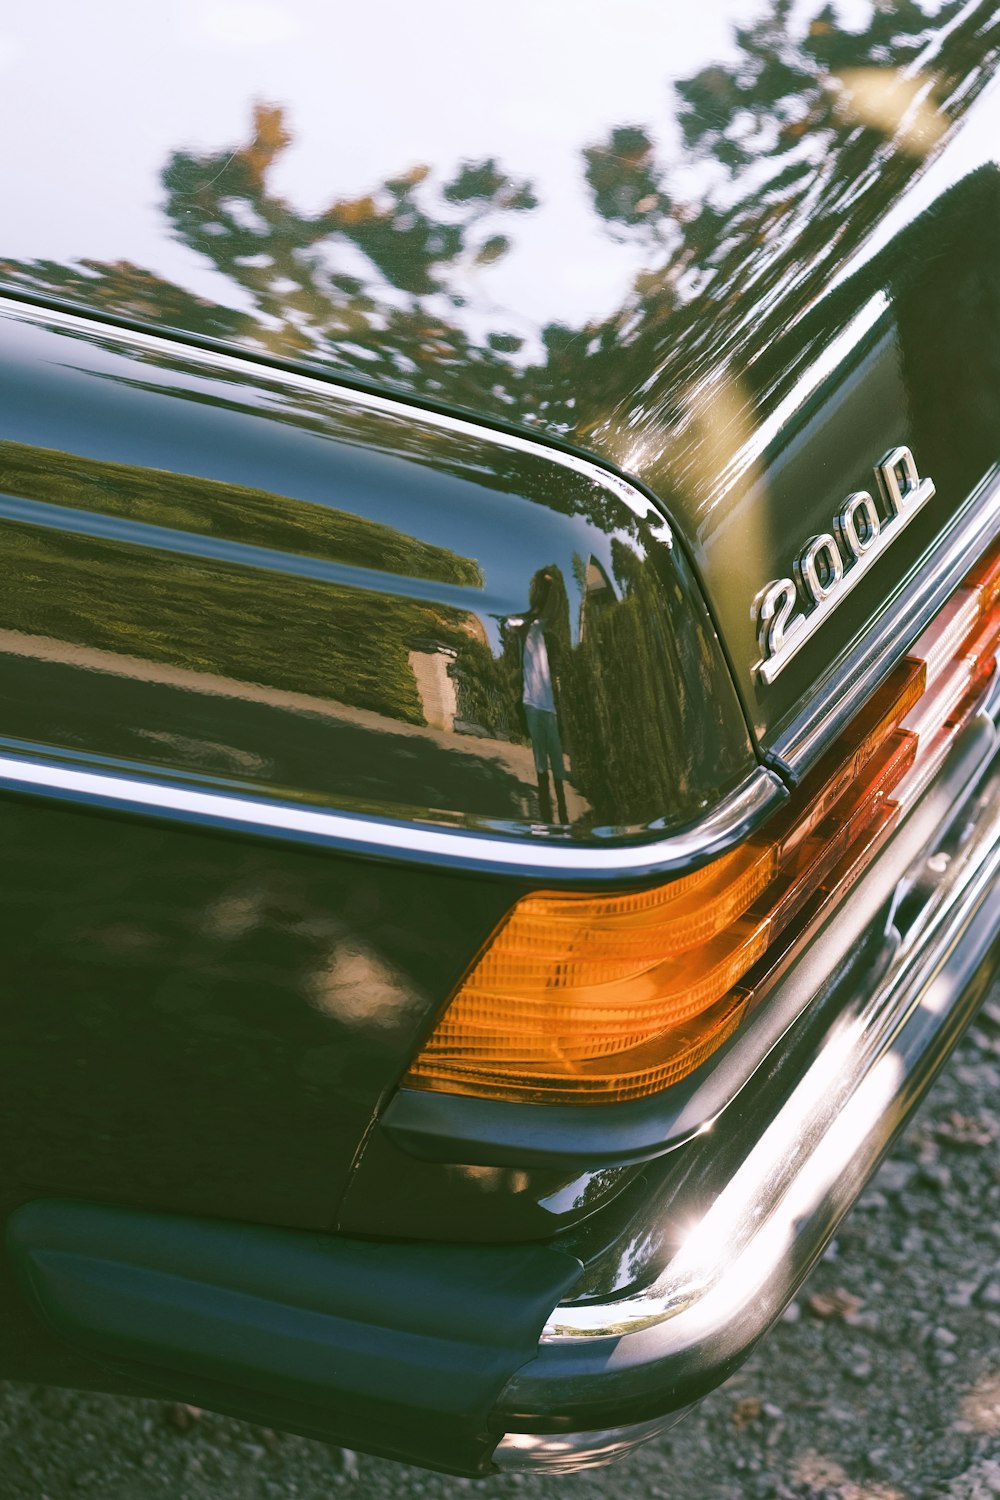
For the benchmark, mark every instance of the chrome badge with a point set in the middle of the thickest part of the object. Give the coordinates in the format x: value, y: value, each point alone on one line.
x: 789, y: 611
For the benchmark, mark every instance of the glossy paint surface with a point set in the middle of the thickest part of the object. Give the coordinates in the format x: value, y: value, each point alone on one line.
x: 222, y: 579
x: 204, y: 1024
x: 739, y: 252
x: 736, y: 255
x: 224, y: 575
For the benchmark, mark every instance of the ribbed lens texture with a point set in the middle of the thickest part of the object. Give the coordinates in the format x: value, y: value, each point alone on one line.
x: 580, y: 999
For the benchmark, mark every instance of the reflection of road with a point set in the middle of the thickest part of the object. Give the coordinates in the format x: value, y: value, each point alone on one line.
x: 175, y: 709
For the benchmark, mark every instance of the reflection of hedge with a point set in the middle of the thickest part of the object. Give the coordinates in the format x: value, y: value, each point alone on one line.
x: 639, y: 741
x: 489, y: 690
x: 255, y: 626
x: 208, y: 506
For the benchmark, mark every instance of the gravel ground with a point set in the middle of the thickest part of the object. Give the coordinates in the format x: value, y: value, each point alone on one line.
x: 882, y: 1383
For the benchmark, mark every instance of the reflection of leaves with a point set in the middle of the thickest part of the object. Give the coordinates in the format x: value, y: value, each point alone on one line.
x: 484, y: 182
x: 376, y: 286
x: 417, y: 235
x: 492, y: 249
x: 270, y: 137
x: 625, y: 179
x: 504, y: 343
x: 782, y: 92
x: 821, y: 177
x: 119, y: 287
x: 731, y: 113
x: 221, y: 205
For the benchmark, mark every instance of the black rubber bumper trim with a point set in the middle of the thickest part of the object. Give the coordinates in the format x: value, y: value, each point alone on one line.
x: 397, y: 1349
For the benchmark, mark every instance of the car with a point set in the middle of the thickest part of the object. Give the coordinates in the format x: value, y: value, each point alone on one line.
x: 499, y: 778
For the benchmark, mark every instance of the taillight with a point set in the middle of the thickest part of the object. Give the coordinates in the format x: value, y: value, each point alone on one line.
x: 581, y: 999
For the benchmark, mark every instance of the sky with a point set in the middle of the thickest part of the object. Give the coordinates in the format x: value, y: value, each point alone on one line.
x: 96, y: 97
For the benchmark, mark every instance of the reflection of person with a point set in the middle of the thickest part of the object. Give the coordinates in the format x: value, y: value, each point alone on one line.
x: 538, y: 693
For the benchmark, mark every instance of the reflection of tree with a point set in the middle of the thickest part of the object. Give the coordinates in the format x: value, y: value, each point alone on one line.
x: 814, y: 117
x: 633, y: 649
x: 357, y: 277
x: 221, y: 204
x: 780, y: 101
x: 791, y: 152
x: 119, y: 287
x: 625, y: 180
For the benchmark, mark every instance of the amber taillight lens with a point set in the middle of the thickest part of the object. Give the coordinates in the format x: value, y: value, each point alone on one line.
x: 580, y: 999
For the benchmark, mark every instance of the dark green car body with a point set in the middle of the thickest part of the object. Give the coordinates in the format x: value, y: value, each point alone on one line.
x: 284, y: 449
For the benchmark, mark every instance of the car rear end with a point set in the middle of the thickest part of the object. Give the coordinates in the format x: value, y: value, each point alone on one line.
x: 357, y: 1088
x: 490, y: 865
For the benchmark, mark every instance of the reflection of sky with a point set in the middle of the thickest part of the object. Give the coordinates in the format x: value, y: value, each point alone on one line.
x: 371, y: 90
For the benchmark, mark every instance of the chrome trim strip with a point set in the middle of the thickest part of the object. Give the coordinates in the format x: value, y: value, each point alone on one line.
x: 542, y: 856
x: 769, y: 667
x: 569, y: 1452
x: 637, y: 502
x: 786, y: 1190
x: 835, y: 701
x: 740, y: 812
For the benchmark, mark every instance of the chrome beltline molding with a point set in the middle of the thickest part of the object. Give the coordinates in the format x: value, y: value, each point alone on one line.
x: 838, y: 1119
x: 543, y: 856
x: 740, y: 812
x: 733, y: 819
x: 218, y: 357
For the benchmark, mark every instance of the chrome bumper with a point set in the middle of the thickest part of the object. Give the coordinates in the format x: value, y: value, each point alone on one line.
x: 755, y: 1199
